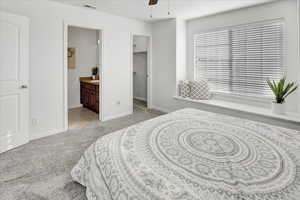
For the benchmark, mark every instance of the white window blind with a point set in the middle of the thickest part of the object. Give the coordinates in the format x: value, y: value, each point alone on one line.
x: 240, y: 59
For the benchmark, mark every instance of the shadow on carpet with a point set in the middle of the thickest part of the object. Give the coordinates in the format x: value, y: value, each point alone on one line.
x: 40, y: 170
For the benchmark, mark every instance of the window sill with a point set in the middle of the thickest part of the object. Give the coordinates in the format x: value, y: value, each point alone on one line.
x: 290, y: 117
x: 261, y: 99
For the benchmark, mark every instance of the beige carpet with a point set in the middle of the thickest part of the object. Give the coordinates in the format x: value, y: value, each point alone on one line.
x: 41, y: 169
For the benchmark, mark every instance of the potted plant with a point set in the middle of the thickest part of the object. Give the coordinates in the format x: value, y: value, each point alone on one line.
x: 281, y: 90
x: 94, y: 72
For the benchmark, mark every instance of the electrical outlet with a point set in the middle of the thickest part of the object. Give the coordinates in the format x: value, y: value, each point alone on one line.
x: 34, y: 121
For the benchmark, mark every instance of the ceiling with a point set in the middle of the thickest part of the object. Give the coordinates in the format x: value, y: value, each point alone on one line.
x: 186, y: 9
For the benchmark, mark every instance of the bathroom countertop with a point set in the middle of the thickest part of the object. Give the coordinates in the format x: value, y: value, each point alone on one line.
x: 90, y: 81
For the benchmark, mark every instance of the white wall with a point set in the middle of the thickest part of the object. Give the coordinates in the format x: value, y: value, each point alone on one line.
x: 165, y: 36
x: 85, y: 43
x: 140, y: 75
x: 181, y: 50
x: 164, y: 64
x: 46, y: 59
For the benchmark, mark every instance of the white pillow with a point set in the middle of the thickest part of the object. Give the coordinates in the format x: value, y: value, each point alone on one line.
x: 184, y: 88
x: 199, y: 90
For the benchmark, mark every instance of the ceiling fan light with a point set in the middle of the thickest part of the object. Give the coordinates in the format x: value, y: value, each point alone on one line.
x: 89, y: 6
x: 153, y: 2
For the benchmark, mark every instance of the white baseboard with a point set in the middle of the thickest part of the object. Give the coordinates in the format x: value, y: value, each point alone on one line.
x: 47, y: 133
x: 36, y: 136
x: 140, y: 98
x: 116, y: 116
x: 75, y: 106
x: 161, y: 109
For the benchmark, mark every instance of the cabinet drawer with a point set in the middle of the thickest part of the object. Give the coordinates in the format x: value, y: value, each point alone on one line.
x: 89, y: 86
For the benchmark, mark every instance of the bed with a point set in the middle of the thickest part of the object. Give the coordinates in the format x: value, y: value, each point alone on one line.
x: 190, y: 155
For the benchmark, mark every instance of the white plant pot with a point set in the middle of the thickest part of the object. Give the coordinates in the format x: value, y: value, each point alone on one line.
x: 278, y: 108
x: 93, y: 77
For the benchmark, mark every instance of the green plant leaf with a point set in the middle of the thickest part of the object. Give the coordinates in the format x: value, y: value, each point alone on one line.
x: 290, y: 92
x: 281, y: 90
x: 287, y: 88
x: 276, y: 89
x: 272, y: 87
x: 280, y: 87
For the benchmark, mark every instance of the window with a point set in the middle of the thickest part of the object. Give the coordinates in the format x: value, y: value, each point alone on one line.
x: 240, y: 59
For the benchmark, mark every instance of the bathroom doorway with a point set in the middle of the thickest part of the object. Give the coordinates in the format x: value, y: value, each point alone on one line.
x: 83, y: 63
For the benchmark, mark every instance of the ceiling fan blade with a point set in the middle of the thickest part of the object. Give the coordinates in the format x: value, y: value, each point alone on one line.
x: 153, y: 2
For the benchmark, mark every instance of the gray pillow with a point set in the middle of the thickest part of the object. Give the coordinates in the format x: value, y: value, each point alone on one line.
x: 184, y: 89
x: 199, y: 90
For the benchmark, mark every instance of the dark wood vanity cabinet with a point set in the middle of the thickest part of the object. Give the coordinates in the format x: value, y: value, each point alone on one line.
x: 89, y: 96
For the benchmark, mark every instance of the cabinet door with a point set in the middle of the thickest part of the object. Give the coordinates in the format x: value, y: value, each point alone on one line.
x: 97, y: 100
x: 85, y: 96
x: 88, y: 98
x: 93, y: 100
x: 81, y: 93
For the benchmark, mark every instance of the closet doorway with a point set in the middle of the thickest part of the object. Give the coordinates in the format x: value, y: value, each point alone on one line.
x: 141, y: 70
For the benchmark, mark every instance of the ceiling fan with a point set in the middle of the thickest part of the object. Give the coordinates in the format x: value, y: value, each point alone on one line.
x: 153, y: 2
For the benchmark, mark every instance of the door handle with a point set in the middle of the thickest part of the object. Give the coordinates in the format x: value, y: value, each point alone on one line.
x: 24, y: 87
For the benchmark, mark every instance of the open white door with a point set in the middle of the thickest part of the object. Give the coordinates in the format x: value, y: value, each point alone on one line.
x: 14, y: 97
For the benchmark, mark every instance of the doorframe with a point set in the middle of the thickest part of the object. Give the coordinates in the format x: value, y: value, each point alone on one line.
x: 93, y: 26
x: 149, y: 69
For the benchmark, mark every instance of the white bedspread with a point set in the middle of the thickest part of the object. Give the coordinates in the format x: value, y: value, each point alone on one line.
x: 190, y: 154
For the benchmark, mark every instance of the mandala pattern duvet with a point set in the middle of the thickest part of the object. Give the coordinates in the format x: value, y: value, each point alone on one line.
x: 193, y: 155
